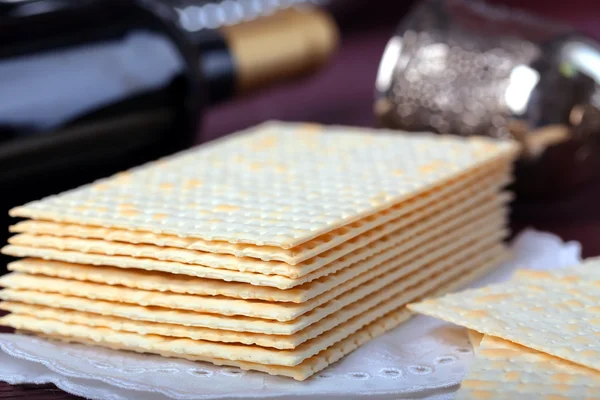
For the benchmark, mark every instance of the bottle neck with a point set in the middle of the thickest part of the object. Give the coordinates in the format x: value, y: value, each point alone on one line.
x: 256, y: 54
x: 216, y: 64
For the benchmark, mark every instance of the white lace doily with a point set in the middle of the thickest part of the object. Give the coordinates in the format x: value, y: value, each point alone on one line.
x: 424, y: 358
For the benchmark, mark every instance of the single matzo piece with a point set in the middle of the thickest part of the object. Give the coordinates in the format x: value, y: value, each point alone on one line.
x: 558, y: 320
x: 587, y: 273
x: 504, y: 370
x: 276, y: 184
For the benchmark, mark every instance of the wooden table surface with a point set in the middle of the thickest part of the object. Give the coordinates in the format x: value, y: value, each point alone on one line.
x: 342, y: 93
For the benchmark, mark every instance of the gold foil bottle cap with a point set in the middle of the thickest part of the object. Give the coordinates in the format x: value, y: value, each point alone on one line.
x: 281, y: 46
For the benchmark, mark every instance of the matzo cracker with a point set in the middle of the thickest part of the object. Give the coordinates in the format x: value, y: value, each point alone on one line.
x: 299, y: 186
x: 495, y: 175
x: 560, y: 320
x: 504, y: 370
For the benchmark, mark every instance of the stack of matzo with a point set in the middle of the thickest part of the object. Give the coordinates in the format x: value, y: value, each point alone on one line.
x: 279, y: 249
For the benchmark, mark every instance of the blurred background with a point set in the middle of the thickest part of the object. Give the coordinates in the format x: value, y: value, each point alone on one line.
x: 84, y: 93
x: 343, y: 92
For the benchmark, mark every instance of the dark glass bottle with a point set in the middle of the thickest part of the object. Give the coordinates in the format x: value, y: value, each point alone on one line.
x: 91, y: 87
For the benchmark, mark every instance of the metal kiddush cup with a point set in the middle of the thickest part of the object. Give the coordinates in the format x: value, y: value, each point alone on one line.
x: 467, y: 68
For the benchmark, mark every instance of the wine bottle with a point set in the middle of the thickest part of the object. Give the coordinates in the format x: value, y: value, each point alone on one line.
x: 90, y: 87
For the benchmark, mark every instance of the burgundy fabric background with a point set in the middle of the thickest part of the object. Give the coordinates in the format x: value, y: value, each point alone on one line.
x: 342, y: 93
